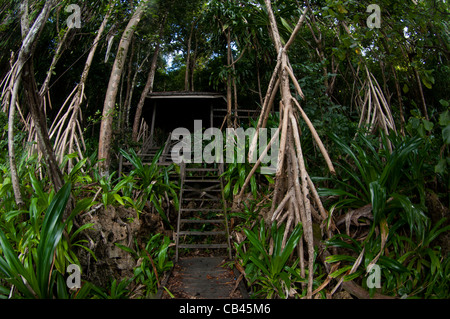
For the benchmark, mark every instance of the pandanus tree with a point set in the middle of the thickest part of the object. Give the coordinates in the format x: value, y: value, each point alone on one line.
x: 23, y: 73
x: 294, y: 190
x: 105, y: 139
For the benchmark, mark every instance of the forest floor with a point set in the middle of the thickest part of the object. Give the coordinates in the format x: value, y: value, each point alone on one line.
x: 203, y: 278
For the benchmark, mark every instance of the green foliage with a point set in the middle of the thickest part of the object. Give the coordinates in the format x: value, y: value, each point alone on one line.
x: 37, y: 269
x: 152, y: 181
x: 327, y: 61
x: 153, y: 262
x: 111, y: 189
x: 117, y: 290
x: 412, y: 270
x: 270, y: 271
x: 392, y: 183
x: 375, y: 177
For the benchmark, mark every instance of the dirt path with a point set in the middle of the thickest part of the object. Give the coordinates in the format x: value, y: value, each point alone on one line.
x: 203, y: 278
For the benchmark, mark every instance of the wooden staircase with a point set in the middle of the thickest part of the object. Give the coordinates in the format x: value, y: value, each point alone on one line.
x: 202, y: 218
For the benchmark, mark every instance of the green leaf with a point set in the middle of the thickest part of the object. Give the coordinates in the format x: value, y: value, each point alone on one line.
x: 255, y: 241
x: 80, y: 206
x: 118, y: 198
x: 378, y: 200
x: 291, y: 243
x: 37, y: 187
x: 446, y: 134
x: 428, y: 79
x: 12, y: 268
x: 236, y: 189
x: 260, y: 265
x: 435, y: 231
x: 105, y: 199
x: 286, y: 25
x: 444, y: 118
x: 79, y: 230
x: 51, y: 233
x: 226, y: 189
x: 392, y: 264
x: 441, y: 166
x: 335, y: 258
x: 340, y: 271
x: 405, y: 89
x: 444, y: 103
x: 77, y: 168
x: 269, y: 179
x: 428, y: 125
x: 253, y: 186
x: 61, y: 287
x: 414, y: 216
x: 158, y: 208
x: 127, y: 249
x: 435, y: 264
x: 353, y: 276
x: 336, y: 242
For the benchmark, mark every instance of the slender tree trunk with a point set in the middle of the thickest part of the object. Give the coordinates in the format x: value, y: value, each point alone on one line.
x: 258, y: 78
x: 133, y: 82
x: 188, y: 60
x: 125, y: 123
x: 24, y: 19
x: 229, y: 89
x: 235, y: 92
x: 25, y: 54
x: 149, y: 84
x: 194, y: 61
x: 111, y: 93
x: 422, y: 96
x: 35, y: 103
x: 147, y: 89
x: 12, y: 154
x: 400, y: 102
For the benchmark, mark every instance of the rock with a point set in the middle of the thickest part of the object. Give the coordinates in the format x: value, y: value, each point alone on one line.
x: 114, y: 225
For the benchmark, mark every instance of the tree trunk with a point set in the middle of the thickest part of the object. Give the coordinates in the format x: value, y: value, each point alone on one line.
x: 149, y: 84
x: 106, y: 124
x: 422, y: 96
x: 25, y: 54
x: 229, y: 89
x: 12, y: 154
x: 188, y: 59
x: 298, y: 190
x: 147, y: 89
x: 400, y: 103
x: 129, y: 89
x: 132, y: 86
x: 193, y: 62
x: 35, y: 104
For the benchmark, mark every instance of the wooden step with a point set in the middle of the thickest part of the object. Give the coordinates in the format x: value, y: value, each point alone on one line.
x: 201, y: 180
x: 201, y: 199
x: 202, y: 246
x: 201, y: 169
x: 201, y: 221
x: 201, y: 233
x: 201, y: 190
x: 201, y: 210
